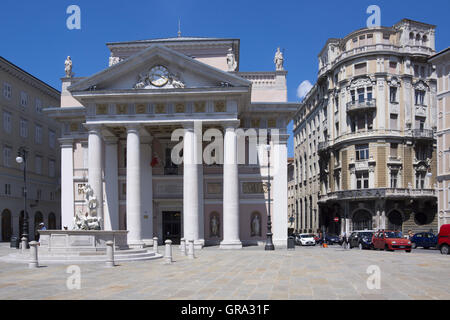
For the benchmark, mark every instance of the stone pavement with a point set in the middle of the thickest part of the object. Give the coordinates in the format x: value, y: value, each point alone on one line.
x: 250, y: 273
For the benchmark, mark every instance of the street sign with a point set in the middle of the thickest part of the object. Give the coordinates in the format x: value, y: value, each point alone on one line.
x: 336, y: 219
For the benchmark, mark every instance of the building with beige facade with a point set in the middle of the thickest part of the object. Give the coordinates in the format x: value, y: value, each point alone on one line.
x: 364, y: 136
x: 24, y: 125
x: 118, y: 135
x: 441, y: 61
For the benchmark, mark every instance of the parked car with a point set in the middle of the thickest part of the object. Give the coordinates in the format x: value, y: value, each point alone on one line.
x: 361, y: 239
x: 424, y: 239
x: 390, y: 240
x: 332, y: 239
x: 305, y: 239
x: 444, y: 239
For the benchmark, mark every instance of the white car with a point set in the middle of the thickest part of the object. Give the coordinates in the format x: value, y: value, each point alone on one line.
x: 305, y: 239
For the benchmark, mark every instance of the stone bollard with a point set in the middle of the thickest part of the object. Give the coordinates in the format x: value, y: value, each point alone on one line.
x: 109, y: 254
x: 183, y: 246
x: 191, y: 254
x: 155, y: 244
x: 33, y: 255
x: 168, y: 253
x: 24, y: 244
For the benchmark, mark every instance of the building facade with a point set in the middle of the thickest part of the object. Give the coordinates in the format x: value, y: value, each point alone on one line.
x: 24, y: 125
x: 441, y: 61
x: 291, y: 212
x: 365, y: 143
x: 126, y: 128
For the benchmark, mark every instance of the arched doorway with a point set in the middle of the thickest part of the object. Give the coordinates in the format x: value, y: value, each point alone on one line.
x: 6, y: 225
x: 395, y: 220
x: 51, y: 221
x: 362, y: 220
x: 38, y: 218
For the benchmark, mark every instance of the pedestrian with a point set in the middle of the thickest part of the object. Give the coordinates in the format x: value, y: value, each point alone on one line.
x: 410, y: 234
x: 41, y: 227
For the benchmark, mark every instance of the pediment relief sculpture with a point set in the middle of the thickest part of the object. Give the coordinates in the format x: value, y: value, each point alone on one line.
x: 360, y: 82
x: 420, y: 85
x: 157, y: 77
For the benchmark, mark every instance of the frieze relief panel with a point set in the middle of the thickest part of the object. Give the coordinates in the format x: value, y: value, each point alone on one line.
x: 214, y: 188
x: 169, y: 189
x: 252, y: 188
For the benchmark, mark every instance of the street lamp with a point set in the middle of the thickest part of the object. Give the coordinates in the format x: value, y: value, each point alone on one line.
x: 269, y: 244
x: 22, y: 158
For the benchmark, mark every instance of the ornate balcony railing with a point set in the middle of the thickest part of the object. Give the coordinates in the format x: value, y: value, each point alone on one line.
x: 361, y: 105
x: 375, y: 193
x: 323, y: 145
x: 422, y: 133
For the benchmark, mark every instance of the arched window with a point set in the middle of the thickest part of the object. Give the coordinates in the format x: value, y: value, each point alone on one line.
x: 411, y: 36
x: 51, y: 221
x: 6, y: 225
x: 255, y: 224
x: 395, y: 220
x: 424, y: 39
x: 362, y: 220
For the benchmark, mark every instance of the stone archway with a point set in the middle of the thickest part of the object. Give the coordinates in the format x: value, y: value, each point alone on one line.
x: 362, y: 220
x: 395, y: 220
x: 6, y: 225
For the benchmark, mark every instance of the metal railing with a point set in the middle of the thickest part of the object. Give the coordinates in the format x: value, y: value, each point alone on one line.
x: 361, y: 104
x: 377, y: 193
x: 422, y: 133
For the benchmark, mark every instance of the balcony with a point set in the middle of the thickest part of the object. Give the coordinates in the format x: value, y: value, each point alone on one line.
x: 323, y: 146
x: 376, y: 193
x: 361, y: 105
x: 422, y: 133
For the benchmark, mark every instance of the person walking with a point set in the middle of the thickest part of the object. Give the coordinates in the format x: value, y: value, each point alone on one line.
x: 41, y: 227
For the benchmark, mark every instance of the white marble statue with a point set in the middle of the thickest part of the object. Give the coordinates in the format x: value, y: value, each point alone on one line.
x: 278, y: 60
x: 142, y: 81
x: 114, y: 60
x: 214, y: 226
x: 89, y: 221
x: 231, y: 60
x: 68, y: 67
x: 256, y: 226
x: 176, y: 82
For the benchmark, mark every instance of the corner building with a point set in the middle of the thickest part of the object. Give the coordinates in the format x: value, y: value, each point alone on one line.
x: 117, y: 129
x: 365, y: 143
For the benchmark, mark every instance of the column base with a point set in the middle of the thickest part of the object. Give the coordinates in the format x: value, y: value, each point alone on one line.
x: 199, y: 244
x: 280, y: 243
x: 233, y: 244
x: 136, y: 244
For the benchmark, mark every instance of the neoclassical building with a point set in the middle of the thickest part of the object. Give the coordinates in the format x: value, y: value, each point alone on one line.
x: 126, y: 127
x: 441, y: 61
x: 24, y: 125
x: 365, y: 147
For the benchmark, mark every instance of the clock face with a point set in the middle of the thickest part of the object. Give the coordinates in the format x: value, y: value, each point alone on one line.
x: 159, y: 76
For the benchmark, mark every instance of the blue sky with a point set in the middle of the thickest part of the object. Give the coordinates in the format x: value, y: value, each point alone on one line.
x: 35, y: 36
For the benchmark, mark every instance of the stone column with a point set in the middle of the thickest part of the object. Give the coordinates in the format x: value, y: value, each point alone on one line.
x: 231, y: 238
x: 190, y: 185
x: 95, y: 175
x: 279, y: 216
x: 67, y: 193
x: 111, y: 214
x: 134, y: 214
x: 147, y: 189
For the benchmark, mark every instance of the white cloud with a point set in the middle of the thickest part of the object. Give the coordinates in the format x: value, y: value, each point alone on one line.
x: 303, y: 89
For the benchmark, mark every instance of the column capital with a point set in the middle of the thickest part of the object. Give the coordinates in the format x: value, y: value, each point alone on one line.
x: 93, y: 128
x: 110, y: 139
x: 131, y: 127
x: 66, y: 142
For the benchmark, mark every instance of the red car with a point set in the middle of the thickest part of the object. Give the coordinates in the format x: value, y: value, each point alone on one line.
x: 390, y: 240
x: 444, y: 239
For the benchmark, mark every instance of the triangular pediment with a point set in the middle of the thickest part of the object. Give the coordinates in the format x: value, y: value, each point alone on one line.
x: 159, y: 67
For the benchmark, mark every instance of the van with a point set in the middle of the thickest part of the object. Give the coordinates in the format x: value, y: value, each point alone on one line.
x: 444, y: 238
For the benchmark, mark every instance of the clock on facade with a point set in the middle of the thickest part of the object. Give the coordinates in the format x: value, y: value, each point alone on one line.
x: 159, y: 76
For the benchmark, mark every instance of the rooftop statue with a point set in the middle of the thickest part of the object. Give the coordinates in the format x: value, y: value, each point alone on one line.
x: 68, y: 67
x: 231, y: 60
x: 278, y: 60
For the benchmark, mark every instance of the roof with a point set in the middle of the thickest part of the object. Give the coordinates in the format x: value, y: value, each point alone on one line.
x: 440, y: 53
x: 174, y: 39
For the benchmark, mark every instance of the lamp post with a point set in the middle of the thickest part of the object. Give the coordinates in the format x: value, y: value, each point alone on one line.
x: 269, y: 244
x: 22, y: 158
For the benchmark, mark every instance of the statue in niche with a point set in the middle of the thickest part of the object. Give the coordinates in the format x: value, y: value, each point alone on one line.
x: 68, y: 67
x: 256, y: 225
x: 231, y: 60
x: 214, y: 226
x: 278, y: 60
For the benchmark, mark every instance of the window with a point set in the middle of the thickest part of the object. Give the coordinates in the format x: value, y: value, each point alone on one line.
x: 336, y: 104
x: 337, y: 182
x: 420, y: 123
x: 38, y: 105
x: 7, y: 156
x: 420, y: 180
x: 394, y: 150
x: 23, y: 99
x: 361, y: 95
x: 38, y: 164
x: 23, y: 128
x: 362, y: 180
x: 394, y: 178
x: 393, y: 121
x: 38, y: 134
x: 336, y: 126
x: 362, y: 152
x: 392, y: 67
x: 51, y: 168
x: 38, y: 194
x: 7, y: 90
x: 421, y: 152
x: 352, y: 93
x: 7, y: 189
x: 369, y: 93
x: 51, y: 139
x: 7, y: 121
x: 393, y: 94
x: 52, y: 195
x: 419, y: 97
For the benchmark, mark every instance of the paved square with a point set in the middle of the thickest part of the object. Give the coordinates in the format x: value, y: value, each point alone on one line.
x: 250, y: 273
